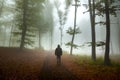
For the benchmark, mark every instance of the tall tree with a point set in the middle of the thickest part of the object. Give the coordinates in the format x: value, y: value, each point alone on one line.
x: 62, y: 15
x: 107, y: 9
x: 73, y: 36
x: 28, y: 17
x: 24, y: 25
x: 107, y: 46
x: 92, y: 19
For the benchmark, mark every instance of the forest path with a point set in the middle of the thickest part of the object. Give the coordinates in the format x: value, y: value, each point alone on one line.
x: 52, y: 71
x: 41, y: 65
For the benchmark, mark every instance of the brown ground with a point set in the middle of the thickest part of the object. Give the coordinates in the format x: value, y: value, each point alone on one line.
x: 20, y: 65
x: 52, y: 71
x: 86, y: 71
x: 41, y: 65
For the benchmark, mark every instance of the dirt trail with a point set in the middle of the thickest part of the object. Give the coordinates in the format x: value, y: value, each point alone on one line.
x: 51, y: 71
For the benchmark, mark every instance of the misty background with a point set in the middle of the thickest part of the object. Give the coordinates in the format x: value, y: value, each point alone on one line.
x: 51, y: 38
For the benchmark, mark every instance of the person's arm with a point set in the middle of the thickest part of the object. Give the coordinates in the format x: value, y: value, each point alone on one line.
x: 61, y: 51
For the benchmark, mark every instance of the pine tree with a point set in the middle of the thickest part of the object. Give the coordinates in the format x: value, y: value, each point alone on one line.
x: 27, y: 20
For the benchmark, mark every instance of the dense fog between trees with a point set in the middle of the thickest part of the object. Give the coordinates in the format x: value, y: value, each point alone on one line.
x: 45, y: 18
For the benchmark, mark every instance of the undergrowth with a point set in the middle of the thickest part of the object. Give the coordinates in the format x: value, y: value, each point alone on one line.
x: 82, y: 60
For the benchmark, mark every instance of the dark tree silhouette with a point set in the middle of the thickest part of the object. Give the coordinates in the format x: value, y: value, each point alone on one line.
x: 108, y: 9
x: 107, y: 46
x: 28, y: 20
x: 24, y: 27
x: 73, y: 36
x: 92, y: 19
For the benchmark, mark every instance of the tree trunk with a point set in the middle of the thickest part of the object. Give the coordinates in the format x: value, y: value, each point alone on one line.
x: 51, y: 42
x: 11, y: 35
x: 24, y: 26
x: 92, y: 19
x: 93, y: 34
x: 107, y: 46
x: 72, y: 42
x: 61, y: 35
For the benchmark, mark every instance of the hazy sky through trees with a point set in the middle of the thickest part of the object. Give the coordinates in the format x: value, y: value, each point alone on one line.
x: 83, y: 22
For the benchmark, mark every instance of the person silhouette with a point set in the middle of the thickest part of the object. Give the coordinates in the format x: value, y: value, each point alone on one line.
x: 58, y: 54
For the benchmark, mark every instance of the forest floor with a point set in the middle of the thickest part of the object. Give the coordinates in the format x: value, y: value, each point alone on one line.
x: 41, y: 65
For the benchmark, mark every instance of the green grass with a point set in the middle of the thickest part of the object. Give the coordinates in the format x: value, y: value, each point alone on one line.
x: 81, y: 60
x: 97, y: 67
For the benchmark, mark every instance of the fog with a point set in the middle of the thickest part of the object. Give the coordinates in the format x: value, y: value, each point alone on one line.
x: 83, y: 22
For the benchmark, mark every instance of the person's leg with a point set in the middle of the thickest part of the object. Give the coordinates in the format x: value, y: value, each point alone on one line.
x: 60, y: 59
x: 57, y: 60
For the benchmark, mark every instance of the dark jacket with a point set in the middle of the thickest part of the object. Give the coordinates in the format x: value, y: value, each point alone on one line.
x: 58, y: 51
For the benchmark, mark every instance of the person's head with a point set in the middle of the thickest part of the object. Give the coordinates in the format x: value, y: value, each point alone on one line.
x: 58, y: 46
